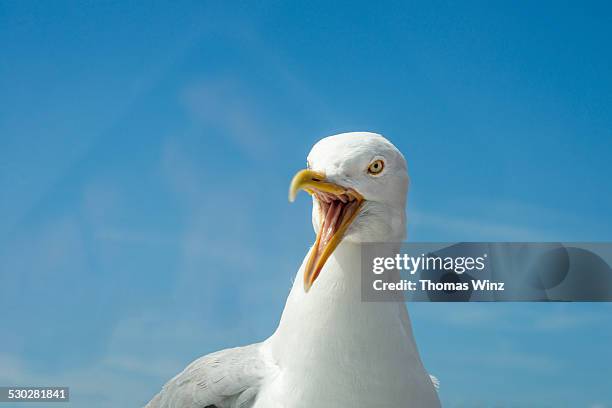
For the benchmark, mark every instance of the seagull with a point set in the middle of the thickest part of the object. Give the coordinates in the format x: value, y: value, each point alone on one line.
x: 330, y: 349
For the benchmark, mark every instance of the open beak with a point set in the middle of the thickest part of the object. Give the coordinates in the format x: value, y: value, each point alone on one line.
x: 338, y: 207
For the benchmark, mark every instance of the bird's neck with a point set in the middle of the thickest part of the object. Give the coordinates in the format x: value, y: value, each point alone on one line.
x: 333, y: 322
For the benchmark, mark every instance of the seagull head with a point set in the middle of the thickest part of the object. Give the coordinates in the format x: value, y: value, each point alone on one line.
x: 358, y: 182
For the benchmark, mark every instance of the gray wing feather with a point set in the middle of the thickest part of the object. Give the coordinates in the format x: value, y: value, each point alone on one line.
x: 226, y: 379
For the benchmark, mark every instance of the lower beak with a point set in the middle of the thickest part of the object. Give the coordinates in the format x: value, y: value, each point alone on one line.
x: 338, y: 207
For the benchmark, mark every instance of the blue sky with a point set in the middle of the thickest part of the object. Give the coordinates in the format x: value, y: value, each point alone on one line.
x: 146, y: 150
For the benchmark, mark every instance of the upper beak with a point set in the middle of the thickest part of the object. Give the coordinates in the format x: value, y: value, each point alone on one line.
x: 310, y: 181
x: 338, y: 207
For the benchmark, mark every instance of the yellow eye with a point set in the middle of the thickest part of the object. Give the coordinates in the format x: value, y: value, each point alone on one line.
x: 376, y: 167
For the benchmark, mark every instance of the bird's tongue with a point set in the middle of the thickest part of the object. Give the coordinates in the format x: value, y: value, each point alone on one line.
x: 332, y: 218
x: 331, y: 222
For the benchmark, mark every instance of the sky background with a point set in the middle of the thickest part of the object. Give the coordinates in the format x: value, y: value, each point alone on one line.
x: 146, y: 152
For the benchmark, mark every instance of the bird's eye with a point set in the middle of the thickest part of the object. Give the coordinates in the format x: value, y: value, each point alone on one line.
x: 376, y: 167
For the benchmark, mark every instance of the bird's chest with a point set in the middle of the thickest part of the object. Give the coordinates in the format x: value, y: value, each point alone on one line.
x: 359, y: 389
x: 343, y: 371
x: 333, y: 350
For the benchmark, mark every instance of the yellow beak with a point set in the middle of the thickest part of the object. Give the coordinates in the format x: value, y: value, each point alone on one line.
x: 338, y: 207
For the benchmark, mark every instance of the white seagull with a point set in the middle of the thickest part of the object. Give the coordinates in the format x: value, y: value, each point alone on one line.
x: 330, y: 349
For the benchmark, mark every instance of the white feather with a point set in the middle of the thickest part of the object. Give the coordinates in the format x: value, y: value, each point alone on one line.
x: 330, y: 348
